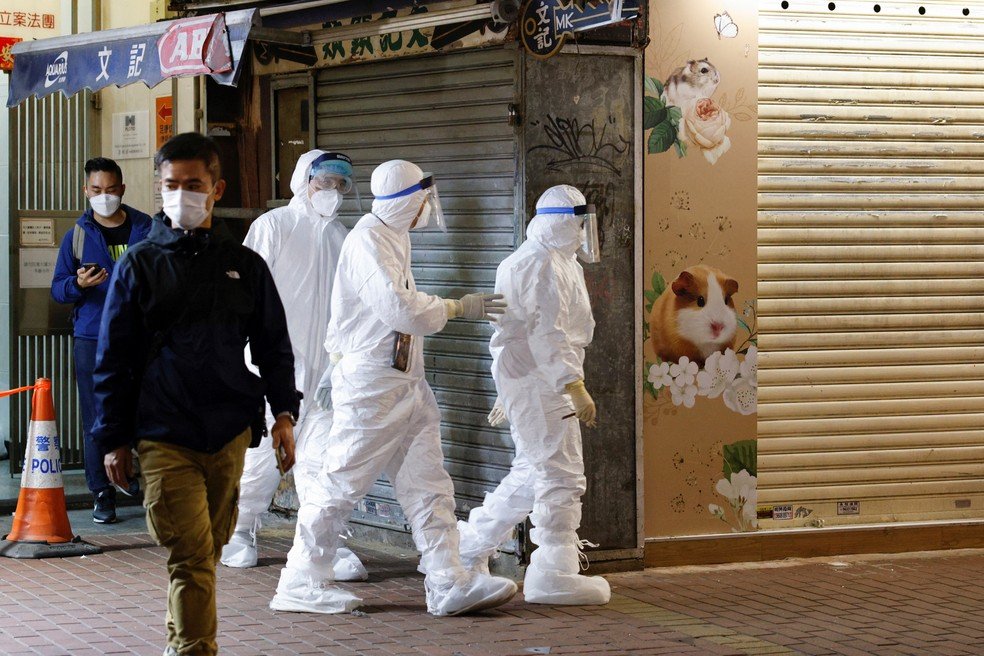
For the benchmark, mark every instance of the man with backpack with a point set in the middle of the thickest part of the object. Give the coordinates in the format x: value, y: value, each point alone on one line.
x: 88, y: 254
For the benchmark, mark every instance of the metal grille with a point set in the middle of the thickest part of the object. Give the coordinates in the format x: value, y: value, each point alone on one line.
x: 449, y: 114
x: 50, y: 142
x: 870, y: 261
x: 49, y: 356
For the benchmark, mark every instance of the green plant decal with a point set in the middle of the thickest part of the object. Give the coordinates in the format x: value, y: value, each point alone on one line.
x: 663, y: 120
x: 740, y: 455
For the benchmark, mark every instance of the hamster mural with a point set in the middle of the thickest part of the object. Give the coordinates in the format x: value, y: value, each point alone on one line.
x: 691, y: 82
x: 700, y: 373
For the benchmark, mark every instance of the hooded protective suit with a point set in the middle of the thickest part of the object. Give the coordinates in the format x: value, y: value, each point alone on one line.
x: 538, y: 349
x: 301, y: 247
x: 385, y: 420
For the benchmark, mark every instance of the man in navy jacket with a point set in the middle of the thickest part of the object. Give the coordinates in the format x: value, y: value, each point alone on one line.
x: 100, y: 236
x: 170, y: 376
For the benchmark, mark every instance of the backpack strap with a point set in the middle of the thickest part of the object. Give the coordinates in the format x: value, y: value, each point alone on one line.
x: 78, y: 243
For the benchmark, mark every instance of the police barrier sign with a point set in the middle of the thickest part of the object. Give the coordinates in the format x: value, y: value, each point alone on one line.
x: 42, y: 460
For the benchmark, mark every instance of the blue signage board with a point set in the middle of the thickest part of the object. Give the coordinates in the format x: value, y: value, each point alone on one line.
x: 210, y: 44
x: 544, y: 25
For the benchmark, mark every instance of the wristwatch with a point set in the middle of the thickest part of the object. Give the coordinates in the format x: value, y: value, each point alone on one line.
x: 290, y: 416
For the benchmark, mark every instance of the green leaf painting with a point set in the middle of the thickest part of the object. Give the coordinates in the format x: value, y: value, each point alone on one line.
x: 662, y: 138
x: 740, y: 455
x: 653, y: 112
x: 664, y: 121
x: 659, y: 283
x: 653, y: 86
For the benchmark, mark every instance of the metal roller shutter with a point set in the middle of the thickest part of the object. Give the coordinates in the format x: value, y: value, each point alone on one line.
x: 449, y: 114
x: 871, y: 275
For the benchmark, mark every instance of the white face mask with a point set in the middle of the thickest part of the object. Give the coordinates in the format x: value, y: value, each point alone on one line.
x: 186, y: 209
x: 105, y: 204
x: 326, y: 202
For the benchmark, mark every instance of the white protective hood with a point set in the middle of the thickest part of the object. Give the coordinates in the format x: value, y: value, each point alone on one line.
x: 390, y: 178
x: 301, y: 248
x: 558, y: 231
x: 301, y: 202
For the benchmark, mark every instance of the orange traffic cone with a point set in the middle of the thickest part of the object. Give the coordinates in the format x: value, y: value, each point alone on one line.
x: 41, y: 528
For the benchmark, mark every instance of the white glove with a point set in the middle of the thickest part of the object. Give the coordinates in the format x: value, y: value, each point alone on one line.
x: 479, y: 307
x: 498, y: 415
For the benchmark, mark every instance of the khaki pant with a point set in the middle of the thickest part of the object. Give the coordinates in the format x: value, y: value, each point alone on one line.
x: 191, y: 510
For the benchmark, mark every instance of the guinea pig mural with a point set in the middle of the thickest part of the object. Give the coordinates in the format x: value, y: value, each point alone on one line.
x: 695, y: 315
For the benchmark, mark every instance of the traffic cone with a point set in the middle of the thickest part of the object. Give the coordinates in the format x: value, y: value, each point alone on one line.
x: 41, y: 528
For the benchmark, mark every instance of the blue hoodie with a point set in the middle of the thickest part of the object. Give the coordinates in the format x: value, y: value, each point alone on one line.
x: 89, y: 302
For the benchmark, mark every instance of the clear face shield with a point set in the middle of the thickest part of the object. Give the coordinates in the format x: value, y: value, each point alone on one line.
x: 590, y: 250
x: 431, y: 213
x: 430, y: 216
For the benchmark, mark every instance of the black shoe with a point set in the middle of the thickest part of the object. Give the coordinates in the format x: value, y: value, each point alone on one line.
x: 104, y: 511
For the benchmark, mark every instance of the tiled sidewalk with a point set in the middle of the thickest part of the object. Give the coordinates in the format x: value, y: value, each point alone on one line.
x: 923, y: 604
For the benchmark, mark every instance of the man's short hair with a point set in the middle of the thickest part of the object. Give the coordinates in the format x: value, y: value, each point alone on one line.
x: 103, y: 164
x: 190, y: 146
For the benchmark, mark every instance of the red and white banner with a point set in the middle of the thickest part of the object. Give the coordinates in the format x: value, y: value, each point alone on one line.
x: 195, y: 46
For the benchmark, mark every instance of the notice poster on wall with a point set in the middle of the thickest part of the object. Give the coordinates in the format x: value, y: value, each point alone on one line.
x: 37, y: 232
x: 37, y: 266
x: 131, y: 135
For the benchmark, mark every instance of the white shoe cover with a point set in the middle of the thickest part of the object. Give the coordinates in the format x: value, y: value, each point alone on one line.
x: 554, y: 587
x: 470, y: 593
x: 479, y: 565
x: 240, y: 552
x: 470, y: 560
x: 298, y: 593
x: 348, y: 567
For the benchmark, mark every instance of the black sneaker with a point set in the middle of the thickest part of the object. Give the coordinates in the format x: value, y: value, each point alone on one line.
x: 104, y: 511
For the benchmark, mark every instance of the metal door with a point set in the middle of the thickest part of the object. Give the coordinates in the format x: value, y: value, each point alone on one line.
x: 870, y: 263
x: 580, y: 120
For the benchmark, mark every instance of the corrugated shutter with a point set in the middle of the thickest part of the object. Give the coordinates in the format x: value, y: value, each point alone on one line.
x: 871, y: 277
x: 449, y: 114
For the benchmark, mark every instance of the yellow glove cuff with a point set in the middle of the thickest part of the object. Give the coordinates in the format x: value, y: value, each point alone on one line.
x: 577, y: 385
x: 453, y: 307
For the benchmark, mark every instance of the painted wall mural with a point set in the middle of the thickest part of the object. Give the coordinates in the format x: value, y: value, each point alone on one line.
x: 700, y: 328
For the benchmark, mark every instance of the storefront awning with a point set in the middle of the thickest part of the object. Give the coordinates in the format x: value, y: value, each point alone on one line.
x: 204, y: 45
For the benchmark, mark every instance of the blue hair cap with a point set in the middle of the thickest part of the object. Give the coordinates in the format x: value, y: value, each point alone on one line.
x: 332, y: 164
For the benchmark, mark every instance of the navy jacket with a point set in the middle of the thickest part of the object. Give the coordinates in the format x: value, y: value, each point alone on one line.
x: 89, y: 302
x: 170, y: 365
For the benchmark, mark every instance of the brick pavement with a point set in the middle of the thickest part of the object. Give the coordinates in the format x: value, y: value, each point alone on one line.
x: 923, y: 604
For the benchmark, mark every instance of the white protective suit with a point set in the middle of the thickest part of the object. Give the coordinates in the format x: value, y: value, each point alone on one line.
x: 538, y: 348
x: 301, y: 247
x: 385, y: 420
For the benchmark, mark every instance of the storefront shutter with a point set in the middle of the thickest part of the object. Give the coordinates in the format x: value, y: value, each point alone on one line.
x: 871, y: 261
x: 448, y: 114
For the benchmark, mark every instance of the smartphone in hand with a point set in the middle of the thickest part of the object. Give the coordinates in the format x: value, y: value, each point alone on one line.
x: 91, y: 267
x: 132, y: 488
